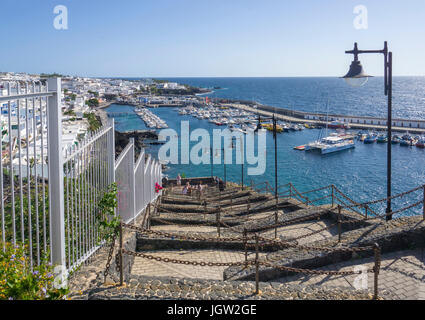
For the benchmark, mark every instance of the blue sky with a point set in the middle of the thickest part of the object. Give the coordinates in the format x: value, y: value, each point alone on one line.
x: 189, y: 38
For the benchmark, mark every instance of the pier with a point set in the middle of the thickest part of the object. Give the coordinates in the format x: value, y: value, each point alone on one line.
x: 355, y: 122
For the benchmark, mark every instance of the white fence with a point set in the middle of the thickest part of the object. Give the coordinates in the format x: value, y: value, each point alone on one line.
x: 30, y: 153
x: 136, y: 182
x: 88, y: 171
x: 49, y: 194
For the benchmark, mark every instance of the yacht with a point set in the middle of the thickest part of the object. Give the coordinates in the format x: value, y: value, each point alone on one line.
x: 330, y: 144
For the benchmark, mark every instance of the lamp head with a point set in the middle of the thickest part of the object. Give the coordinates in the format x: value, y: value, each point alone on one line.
x: 356, y: 76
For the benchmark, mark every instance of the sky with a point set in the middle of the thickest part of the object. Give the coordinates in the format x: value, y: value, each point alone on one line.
x: 209, y: 38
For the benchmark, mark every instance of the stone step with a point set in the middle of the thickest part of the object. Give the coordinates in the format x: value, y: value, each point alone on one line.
x: 395, y: 235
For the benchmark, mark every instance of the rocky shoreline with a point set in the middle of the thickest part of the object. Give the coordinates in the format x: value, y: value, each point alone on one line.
x: 141, y: 140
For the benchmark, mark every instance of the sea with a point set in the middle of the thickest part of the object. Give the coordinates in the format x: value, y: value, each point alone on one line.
x: 360, y: 172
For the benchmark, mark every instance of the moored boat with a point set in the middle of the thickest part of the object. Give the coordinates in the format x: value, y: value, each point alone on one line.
x: 382, y: 138
x: 395, y: 139
x: 370, y: 138
x: 421, y: 143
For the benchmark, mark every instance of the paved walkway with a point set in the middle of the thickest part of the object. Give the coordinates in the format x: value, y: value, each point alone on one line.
x: 292, y: 231
x: 402, y: 273
x: 146, y: 267
x: 305, y: 229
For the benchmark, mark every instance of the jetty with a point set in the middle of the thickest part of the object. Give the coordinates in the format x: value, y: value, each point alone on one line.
x: 355, y: 122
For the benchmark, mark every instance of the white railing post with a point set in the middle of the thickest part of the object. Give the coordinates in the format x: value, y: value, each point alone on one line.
x: 56, y: 190
x: 152, y: 186
x: 132, y: 184
x: 142, y: 179
x: 111, y: 151
x: 147, y: 180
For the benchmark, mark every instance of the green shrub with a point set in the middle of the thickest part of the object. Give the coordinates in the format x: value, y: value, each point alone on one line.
x: 107, y: 221
x: 18, y: 282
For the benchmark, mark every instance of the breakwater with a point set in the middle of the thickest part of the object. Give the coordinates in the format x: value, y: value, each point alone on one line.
x: 355, y: 122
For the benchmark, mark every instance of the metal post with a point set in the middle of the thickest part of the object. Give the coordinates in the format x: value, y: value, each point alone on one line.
x: 376, y: 268
x: 245, y: 241
x: 121, y: 258
x: 55, y: 168
x: 132, y: 178
x: 242, y: 176
x: 257, y: 278
x: 224, y: 163
x: 275, y: 154
x: 333, y: 196
x: 365, y: 211
x: 149, y: 216
x: 242, y: 157
x: 424, y: 204
x: 275, y: 221
x: 218, y: 222
x: 111, y: 151
x: 339, y: 223
x: 388, y: 68
x: 211, y: 159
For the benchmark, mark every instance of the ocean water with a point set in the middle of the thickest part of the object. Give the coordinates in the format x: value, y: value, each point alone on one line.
x: 360, y: 172
x: 316, y: 94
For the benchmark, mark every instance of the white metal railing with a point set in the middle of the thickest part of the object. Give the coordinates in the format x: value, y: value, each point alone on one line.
x: 49, y: 194
x: 135, y: 182
x: 87, y: 172
x: 29, y: 118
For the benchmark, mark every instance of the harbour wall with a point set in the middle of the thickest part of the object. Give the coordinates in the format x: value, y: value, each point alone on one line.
x: 355, y: 122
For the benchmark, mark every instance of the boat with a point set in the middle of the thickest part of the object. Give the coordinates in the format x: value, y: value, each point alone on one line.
x: 269, y: 127
x: 395, y: 139
x: 421, y: 143
x: 382, y: 138
x: 338, y: 125
x: 370, y: 138
x: 407, y: 140
x: 405, y: 143
x: 330, y: 144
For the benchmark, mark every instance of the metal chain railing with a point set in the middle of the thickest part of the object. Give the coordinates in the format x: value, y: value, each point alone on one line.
x: 251, y: 262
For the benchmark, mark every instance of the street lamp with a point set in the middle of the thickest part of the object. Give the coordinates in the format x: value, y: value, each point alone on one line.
x: 274, y: 120
x: 357, y: 77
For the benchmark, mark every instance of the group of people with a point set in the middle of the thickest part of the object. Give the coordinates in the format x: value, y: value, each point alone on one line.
x: 188, y: 189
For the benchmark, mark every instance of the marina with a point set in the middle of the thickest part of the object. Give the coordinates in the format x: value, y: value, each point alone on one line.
x: 350, y: 167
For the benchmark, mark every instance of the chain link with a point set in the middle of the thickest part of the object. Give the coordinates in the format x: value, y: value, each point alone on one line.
x: 186, y: 262
x: 108, y: 262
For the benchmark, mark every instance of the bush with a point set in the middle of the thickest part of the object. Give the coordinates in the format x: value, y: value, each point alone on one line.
x: 18, y: 282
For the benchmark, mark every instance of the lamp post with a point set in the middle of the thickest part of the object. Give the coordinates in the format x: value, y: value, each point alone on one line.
x: 357, y: 77
x: 275, y: 146
x: 224, y: 163
x: 211, y: 160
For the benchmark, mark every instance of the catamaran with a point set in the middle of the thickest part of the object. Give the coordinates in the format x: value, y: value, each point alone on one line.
x: 330, y: 144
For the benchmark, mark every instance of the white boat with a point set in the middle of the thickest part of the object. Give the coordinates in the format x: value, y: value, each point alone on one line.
x: 330, y: 144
